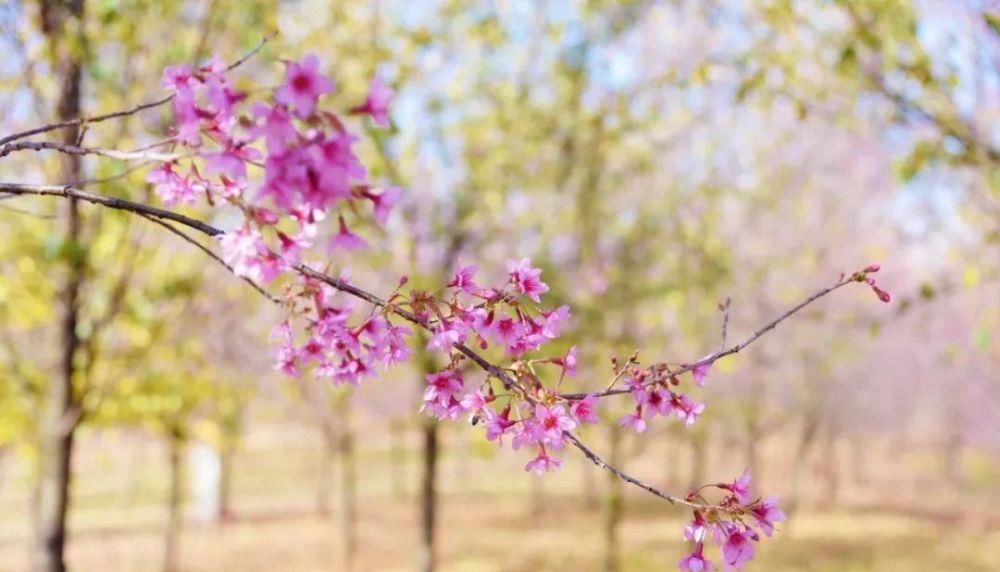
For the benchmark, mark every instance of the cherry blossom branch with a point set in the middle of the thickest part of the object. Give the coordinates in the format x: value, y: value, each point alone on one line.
x: 714, y: 357
x: 160, y: 215
x: 76, y: 150
x: 110, y: 202
x: 724, y: 308
x: 597, y: 460
x: 126, y: 112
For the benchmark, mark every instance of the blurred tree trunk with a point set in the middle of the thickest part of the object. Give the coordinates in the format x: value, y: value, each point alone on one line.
x: 427, y: 551
x: 830, y: 467
x: 754, y: 430
x: 348, y: 471
x: 859, y: 459
x: 699, y: 455
x: 951, y: 457
x: 227, y: 456
x: 176, y: 445
x: 426, y: 560
x: 62, y: 24
x: 397, y: 459
x: 613, y: 502
x: 231, y: 425
x: 590, y: 500
x: 807, y: 438
x: 324, y: 481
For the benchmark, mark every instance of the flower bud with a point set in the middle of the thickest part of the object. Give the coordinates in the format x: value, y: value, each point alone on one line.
x: 882, y: 294
x: 874, y: 267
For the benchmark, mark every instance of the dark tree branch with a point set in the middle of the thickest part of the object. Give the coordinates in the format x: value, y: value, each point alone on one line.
x: 161, y: 215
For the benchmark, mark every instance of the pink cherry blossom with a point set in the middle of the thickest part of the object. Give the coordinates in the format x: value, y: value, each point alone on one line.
x: 554, y: 321
x: 526, y: 280
x: 543, y: 463
x: 740, y: 487
x: 633, y: 421
x: 287, y: 362
x: 303, y: 86
x: 376, y: 103
x: 585, y: 410
x: 171, y: 187
x: 507, y: 330
x: 177, y: 78
x: 695, y: 562
x: 443, y: 386
x: 699, y: 373
x: 696, y: 530
x: 446, y: 334
x: 640, y: 394
x: 553, y: 420
x: 529, y: 433
x: 384, y: 203
x: 463, y: 280
x: 738, y: 548
x: 230, y: 162
x: 336, y: 166
x: 567, y: 362
x: 346, y: 240
x: 474, y: 402
x: 292, y: 247
x: 275, y: 125
x: 660, y: 401
x: 687, y: 410
x: 767, y: 513
x: 221, y: 98
x: 497, y: 424
x: 244, y: 250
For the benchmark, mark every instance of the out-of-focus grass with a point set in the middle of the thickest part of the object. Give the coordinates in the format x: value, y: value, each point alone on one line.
x: 488, y: 519
x: 499, y: 534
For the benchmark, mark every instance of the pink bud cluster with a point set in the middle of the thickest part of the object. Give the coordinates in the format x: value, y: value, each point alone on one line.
x: 863, y: 276
x: 732, y: 525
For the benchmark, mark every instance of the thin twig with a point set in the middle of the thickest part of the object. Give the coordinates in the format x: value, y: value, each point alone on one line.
x: 97, y: 181
x: 597, y: 460
x: 211, y: 255
x: 110, y: 202
x: 76, y: 150
x: 712, y: 358
x: 126, y: 112
x: 724, y: 308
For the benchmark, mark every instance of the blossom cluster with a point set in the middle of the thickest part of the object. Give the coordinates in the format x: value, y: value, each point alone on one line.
x: 652, y: 394
x: 308, y: 174
x: 732, y: 525
x: 508, y: 316
x: 309, y: 170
